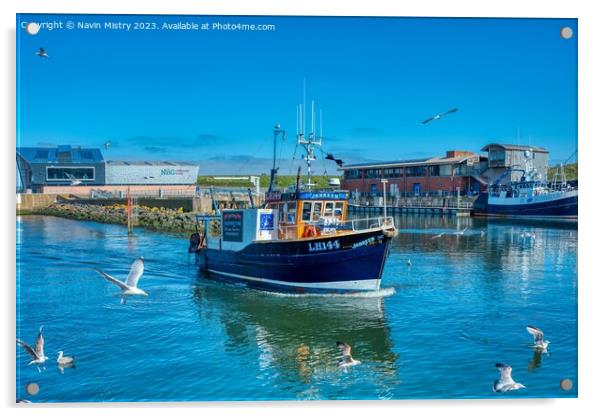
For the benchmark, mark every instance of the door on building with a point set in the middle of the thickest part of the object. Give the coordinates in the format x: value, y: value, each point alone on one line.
x: 373, y: 189
x: 416, y: 188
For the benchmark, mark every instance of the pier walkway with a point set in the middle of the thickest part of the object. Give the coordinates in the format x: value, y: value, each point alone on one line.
x: 432, y: 206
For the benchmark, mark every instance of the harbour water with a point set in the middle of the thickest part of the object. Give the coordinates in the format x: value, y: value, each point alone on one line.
x: 435, y: 330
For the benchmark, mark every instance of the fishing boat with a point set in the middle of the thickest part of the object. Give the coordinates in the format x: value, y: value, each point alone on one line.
x: 531, y: 197
x: 299, y: 241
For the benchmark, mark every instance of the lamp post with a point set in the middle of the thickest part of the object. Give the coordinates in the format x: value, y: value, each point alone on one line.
x: 277, y: 131
x: 384, y: 182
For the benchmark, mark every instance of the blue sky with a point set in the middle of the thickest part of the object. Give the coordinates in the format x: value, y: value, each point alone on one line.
x: 213, y: 97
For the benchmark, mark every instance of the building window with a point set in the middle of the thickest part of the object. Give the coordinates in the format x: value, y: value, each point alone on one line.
x: 416, y: 189
x: 434, y: 170
x: 393, y: 173
x: 445, y: 170
x: 372, y: 173
x: 68, y: 173
x: 497, y: 155
x: 352, y: 174
x: 416, y: 171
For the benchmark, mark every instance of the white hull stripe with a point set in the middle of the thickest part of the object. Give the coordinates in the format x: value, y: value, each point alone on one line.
x: 369, y: 284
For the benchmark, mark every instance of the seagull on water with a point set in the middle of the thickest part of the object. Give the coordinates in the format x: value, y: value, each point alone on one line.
x: 64, y: 360
x: 537, y: 333
x: 438, y: 116
x: 409, y: 262
x: 505, y: 383
x: 437, y: 236
x: 461, y: 232
x: 37, y: 354
x: 347, y: 359
x: 130, y: 285
x: 42, y: 53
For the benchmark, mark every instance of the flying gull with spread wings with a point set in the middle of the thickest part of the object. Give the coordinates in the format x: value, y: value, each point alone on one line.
x: 347, y: 360
x: 130, y: 285
x: 537, y: 333
x: 37, y: 354
x: 438, y: 116
x: 461, y: 232
x: 505, y: 383
x: 42, y: 53
x: 73, y: 179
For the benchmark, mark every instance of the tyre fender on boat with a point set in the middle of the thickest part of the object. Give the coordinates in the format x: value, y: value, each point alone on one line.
x: 310, y: 231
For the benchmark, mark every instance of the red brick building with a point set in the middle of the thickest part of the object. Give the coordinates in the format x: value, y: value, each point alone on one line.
x: 419, y: 177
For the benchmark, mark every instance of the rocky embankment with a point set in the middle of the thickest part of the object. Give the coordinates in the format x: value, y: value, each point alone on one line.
x: 162, y: 219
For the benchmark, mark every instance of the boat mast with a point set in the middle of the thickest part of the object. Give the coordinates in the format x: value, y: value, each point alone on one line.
x: 311, y: 141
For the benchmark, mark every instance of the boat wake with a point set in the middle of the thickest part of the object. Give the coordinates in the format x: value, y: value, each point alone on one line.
x: 381, y: 293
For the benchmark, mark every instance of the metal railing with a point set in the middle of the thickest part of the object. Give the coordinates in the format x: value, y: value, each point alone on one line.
x: 289, y: 231
x: 439, y: 203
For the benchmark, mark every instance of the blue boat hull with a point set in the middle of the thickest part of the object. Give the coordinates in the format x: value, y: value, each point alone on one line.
x: 564, y: 208
x: 338, y: 264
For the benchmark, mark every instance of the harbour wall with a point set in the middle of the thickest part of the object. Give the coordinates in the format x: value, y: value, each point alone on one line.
x: 163, y: 219
x: 174, y: 214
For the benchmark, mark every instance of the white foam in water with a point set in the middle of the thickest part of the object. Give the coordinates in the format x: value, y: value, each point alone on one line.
x: 381, y: 293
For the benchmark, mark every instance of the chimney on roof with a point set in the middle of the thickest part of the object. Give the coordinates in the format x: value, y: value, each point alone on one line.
x: 458, y: 153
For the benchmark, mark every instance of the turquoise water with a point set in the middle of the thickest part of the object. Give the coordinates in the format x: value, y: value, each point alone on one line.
x: 436, y: 329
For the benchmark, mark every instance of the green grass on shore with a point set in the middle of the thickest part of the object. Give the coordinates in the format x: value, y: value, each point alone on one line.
x: 570, y: 170
x: 282, y: 181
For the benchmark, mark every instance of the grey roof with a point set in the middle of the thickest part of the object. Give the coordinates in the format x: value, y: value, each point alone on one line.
x: 514, y: 147
x: 149, y: 163
x: 412, y: 162
x: 60, y: 154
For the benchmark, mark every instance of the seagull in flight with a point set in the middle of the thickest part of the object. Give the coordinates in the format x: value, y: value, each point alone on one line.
x: 73, y: 179
x: 42, y: 53
x: 437, y: 236
x: 505, y: 383
x: 130, y: 285
x: 461, y: 232
x: 330, y: 156
x: 37, y: 354
x: 438, y: 116
x: 347, y: 359
x: 540, y: 343
x: 107, y: 144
